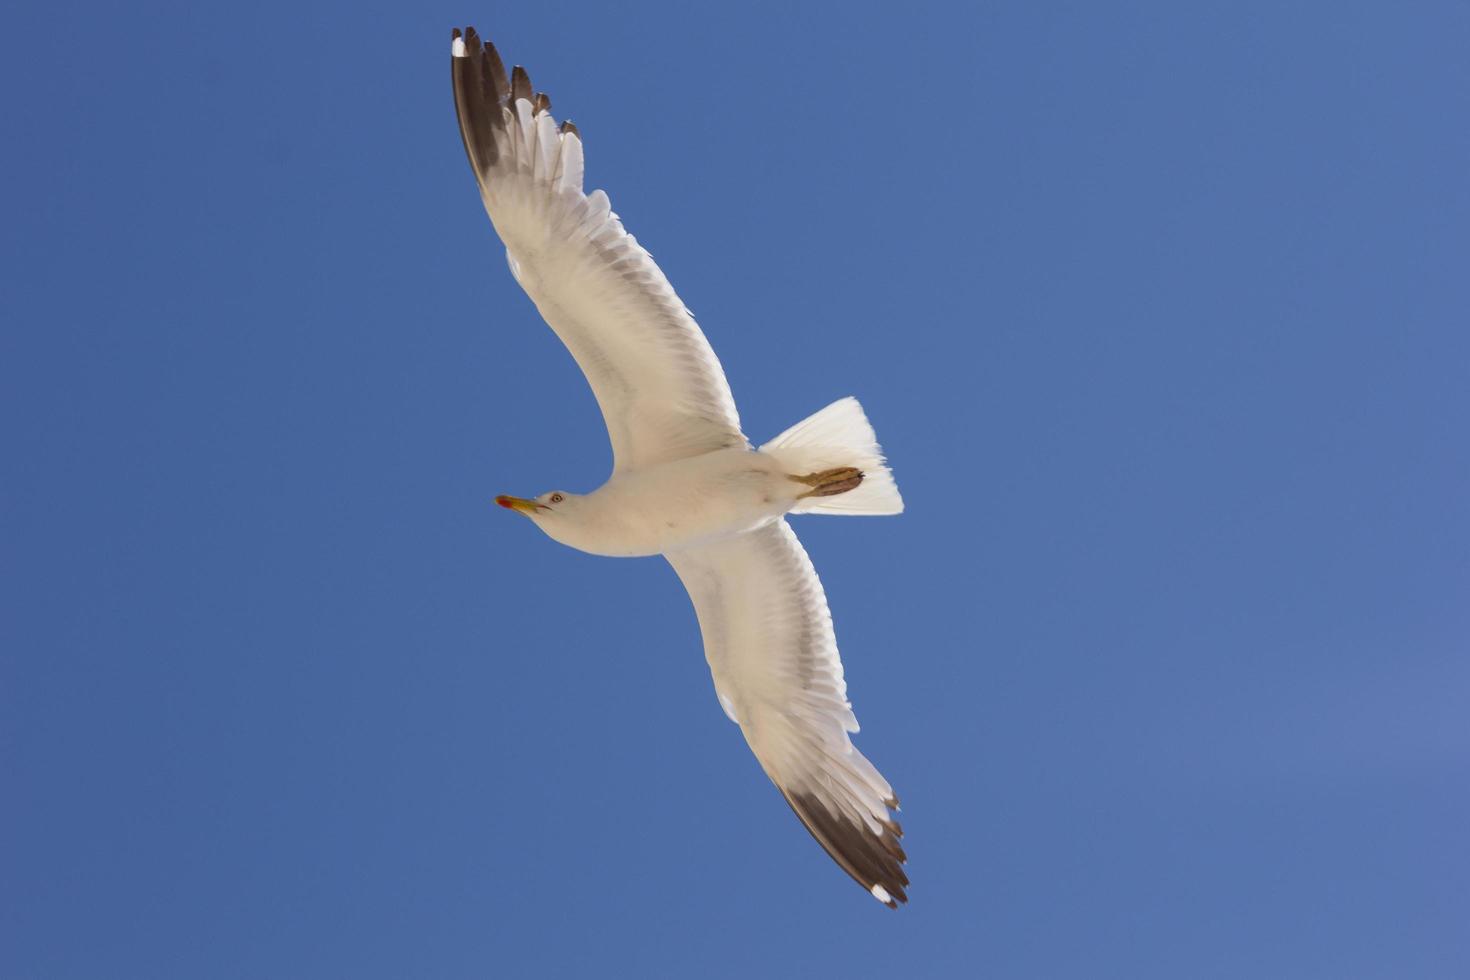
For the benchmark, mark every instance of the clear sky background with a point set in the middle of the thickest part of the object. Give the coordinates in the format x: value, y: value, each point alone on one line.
x: 1162, y: 312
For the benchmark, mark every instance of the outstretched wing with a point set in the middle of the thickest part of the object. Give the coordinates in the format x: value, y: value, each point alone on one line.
x: 768, y: 638
x: 662, y: 391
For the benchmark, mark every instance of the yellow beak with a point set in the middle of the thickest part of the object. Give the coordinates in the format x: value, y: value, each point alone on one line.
x: 519, y: 503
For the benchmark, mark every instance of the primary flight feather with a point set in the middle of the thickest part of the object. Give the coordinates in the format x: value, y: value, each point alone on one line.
x: 686, y: 482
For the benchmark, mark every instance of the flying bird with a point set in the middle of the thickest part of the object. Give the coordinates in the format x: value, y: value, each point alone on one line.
x: 686, y: 482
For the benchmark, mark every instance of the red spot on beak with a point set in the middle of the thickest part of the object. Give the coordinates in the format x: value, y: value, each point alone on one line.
x: 504, y: 501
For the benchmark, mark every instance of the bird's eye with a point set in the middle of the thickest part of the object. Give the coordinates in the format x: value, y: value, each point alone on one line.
x: 556, y: 498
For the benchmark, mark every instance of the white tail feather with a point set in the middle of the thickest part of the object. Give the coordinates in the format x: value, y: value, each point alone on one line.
x: 838, y: 435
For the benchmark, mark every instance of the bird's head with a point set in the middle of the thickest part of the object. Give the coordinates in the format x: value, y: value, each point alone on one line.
x: 576, y: 520
x: 554, y: 505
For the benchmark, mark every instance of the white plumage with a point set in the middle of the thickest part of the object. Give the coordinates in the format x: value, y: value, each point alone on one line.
x: 686, y: 483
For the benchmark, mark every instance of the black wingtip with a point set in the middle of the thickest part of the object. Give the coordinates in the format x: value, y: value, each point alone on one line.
x: 520, y: 84
x: 476, y: 98
x: 874, y: 861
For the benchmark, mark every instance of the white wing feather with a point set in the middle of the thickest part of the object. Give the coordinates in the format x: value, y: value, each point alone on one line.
x: 769, y: 641
x: 661, y: 389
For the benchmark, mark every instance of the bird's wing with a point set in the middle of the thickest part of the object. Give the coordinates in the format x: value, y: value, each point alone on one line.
x: 662, y: 391
x: 768, y: 638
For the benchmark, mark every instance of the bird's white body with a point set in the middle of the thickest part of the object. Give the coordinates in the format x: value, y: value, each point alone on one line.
x: 672, y: 506
x: 686, y: 482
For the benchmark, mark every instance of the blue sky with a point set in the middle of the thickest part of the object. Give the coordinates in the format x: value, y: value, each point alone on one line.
x: 1160, y: 312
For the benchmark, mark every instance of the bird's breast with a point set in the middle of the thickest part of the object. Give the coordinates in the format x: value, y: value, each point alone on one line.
x: 683, y: 503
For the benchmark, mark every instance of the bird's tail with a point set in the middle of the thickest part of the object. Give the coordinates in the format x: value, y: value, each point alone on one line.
x: 836, y: 454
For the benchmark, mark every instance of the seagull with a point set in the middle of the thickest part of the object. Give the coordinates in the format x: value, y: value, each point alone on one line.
x: 686, y: 482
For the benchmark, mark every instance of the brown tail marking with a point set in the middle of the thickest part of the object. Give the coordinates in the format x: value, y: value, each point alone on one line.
x: 829, y: 483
